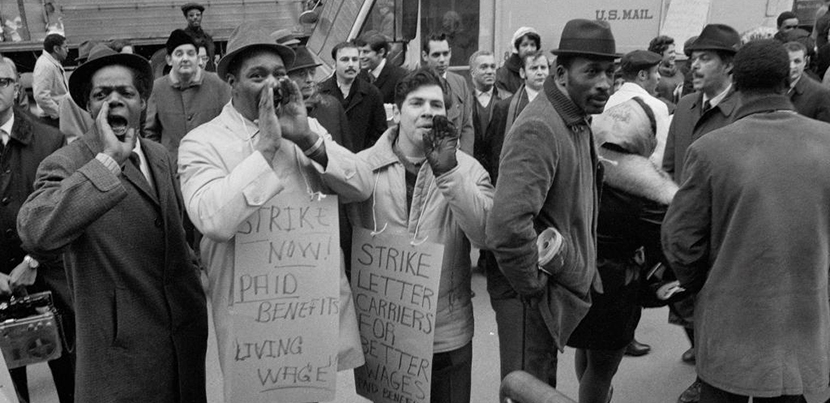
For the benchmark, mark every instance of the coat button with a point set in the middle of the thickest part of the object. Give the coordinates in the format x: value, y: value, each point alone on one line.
x: 5, y: 201
x: 189, y: 117
x: 9, y: 233
x: 158, y: 222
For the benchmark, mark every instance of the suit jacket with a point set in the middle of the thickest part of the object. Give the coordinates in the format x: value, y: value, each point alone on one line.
x: 364, y: 109
x: 388, y: 78
x: 30, y: 142
x: 481, y: 123
x: 140, y: 309
x: 490, y: 150
x: 461, y: 111
x: 811, y: 99
x: 688, y: 125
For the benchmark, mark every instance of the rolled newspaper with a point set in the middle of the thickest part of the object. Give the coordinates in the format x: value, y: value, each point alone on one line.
x: 549, y: 244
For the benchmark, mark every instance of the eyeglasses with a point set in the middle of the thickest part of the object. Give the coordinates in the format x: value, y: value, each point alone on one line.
x: 5, y: 82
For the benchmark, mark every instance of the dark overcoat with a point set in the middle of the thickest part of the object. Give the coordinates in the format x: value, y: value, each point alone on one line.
x: 689, y: 125
x: 749, y: 226
x: 364, y: 109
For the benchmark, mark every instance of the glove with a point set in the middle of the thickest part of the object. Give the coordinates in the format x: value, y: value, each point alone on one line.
x: 440, y: 145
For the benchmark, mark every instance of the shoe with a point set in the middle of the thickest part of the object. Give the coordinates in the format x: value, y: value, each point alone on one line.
x: 689, y: 356
x: 637, y: 349
x: 691, y: 394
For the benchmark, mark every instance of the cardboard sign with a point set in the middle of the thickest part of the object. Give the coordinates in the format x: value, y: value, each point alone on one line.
x: 684, y: 20
x: 395, y: 286
x: 285, y: 302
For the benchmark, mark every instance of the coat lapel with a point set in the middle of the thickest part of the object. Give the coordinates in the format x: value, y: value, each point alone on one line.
x: 356, y: 94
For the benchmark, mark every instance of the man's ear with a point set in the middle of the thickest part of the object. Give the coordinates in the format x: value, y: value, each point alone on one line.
x: 169, y: 60
x: 424, y: 56
x: 561, y: 75
x: 396, y: 114
x: 143, y: 104
x: 522, y: 73
x: 642, y: 75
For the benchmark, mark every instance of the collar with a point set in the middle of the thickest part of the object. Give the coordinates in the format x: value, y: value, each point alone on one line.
x: 381, y: 154
x: 175, y: 82
x: 21, y: 127
x: 764, y: 104
x: 531, y: 93
x: 718, y: 98
x: 407, y: 164
x: 570, y: 113
x: 490, y: 92
x: 7, y: 127
x: 239, y: 124
x: 54, y: 61
x: 379, y: 68
x: 340, y: 87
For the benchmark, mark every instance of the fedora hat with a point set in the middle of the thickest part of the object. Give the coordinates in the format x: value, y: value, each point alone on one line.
x: 717, y: 37
x: 587, y: 38
x: 101, y: 56
x: 304, y: 59
x: 252, y: 35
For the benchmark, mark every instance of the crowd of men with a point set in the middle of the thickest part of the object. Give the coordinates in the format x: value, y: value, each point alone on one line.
x: 126, y: 186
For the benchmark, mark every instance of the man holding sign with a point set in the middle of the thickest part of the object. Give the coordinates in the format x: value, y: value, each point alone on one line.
x: 245, y: 172
x: 430, y: 192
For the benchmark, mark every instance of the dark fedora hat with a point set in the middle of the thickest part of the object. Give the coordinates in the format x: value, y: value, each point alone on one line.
x: 252, y: 35
x: 189, y: 6
x: 101, y: 56
x: 304, y: 59
x: 717, y: 37
x: 587, y: 38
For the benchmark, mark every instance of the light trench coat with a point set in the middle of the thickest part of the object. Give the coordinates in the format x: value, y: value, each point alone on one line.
x: 224, y: 181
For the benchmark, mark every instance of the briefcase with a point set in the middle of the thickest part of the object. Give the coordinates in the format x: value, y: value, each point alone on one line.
x: 30, y: 330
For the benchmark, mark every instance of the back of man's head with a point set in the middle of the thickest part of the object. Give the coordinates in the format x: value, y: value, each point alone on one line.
x: 419, y: 78
x: 51, y: 41
x: 761, y: 66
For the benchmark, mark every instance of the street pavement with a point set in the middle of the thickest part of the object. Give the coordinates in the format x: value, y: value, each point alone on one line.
x: 658, y: 377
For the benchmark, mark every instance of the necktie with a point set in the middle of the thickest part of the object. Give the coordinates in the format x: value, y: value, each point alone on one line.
x: 136, y: 161
x: 706, y: 106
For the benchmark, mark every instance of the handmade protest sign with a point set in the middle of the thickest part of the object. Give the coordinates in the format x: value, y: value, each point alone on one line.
x: 395, y: 286
x: 285, y: 302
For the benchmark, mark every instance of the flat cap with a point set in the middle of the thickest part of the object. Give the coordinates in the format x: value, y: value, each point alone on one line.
x: 189, y: 6
x: 637, y: 60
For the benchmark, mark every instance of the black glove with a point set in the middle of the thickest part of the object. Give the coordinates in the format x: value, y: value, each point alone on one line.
x: 440, y: 145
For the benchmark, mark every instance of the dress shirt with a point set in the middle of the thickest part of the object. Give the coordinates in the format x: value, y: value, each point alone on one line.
x: 376, y: 71
x: 6, y: 129
x: 484, y: 97
x: 717, y: 99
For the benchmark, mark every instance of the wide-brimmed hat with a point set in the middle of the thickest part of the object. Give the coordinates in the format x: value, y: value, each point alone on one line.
x: 304, y: 59
x: 101, y: 56
x: 252, y: 35
x: 717, y: 37
x: 587, y: 38
x: 84, y: 49
x: 285, y: 37
x: 189, y: 6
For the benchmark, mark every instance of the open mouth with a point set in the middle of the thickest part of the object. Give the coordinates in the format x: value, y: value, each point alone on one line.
x: 118, y: 125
